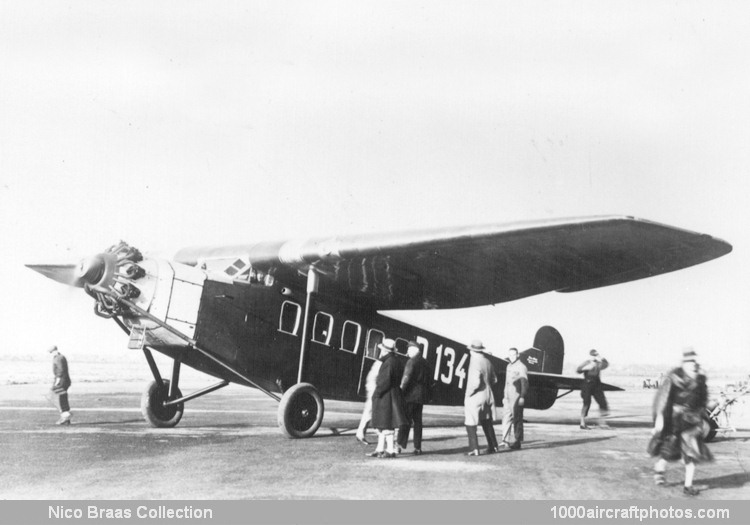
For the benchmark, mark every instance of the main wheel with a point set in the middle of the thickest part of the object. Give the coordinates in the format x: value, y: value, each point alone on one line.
x: 710, y: 428
x: 300, y: 411
x: 153, y: 409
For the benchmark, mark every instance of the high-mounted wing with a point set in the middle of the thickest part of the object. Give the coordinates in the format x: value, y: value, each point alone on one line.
x: 477, y: 265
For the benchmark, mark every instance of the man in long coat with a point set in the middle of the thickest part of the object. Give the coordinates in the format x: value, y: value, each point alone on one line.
x: 415, y: 385
x: 387, y: 401
x: 479, y: 401
x: 59, y: 390
x: 679, y: 408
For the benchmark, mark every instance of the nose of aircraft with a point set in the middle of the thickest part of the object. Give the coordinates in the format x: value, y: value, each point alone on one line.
x: 98, y: 270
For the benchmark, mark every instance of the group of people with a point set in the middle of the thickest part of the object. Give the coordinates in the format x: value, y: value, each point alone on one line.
x: 479, y: 400
x: 397, y: 393
x: 679, y: 413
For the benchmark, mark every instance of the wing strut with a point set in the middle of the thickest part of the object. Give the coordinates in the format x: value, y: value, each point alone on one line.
x: 313, y: 281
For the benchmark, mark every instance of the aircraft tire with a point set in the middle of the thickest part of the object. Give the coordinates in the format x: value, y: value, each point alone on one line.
x: 300, y: 411
x: 151, y: 406
x: 710, y: 429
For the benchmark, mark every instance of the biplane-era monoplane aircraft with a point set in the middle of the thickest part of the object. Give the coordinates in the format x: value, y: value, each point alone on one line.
x: 301, y: 320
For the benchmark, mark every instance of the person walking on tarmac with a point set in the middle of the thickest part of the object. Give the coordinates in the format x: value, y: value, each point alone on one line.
x: 516, y: 387
x: 387, y: 402
x: 59, y: 390
x: 679, y: 409
x: 592, y: 387
x: 415, y: 385
x: 479, y: 401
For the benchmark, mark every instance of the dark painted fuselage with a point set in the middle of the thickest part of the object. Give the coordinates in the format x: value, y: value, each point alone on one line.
x: 258, y: 331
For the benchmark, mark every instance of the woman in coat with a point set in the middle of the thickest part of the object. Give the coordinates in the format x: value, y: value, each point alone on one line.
x: 479, y: 401
x: 387, y: 401
x: 679, y: 408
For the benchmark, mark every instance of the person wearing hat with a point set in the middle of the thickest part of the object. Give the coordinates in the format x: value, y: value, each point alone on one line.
x: 479, y: 401
x: 59, y: 390
x: 415, y: 385
x: 387, y: 402
x: 592, y: 387
x: 678, y: 411
x: 516, y: 388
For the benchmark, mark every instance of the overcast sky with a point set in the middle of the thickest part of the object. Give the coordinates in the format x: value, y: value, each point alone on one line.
x: 178, y: 123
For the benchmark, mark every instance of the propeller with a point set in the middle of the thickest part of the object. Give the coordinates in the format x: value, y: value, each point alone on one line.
x: 62, y: 273
x: 108, y: 276
x: 93, y: 271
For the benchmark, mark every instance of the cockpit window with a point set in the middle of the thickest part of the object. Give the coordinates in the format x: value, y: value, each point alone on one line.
x: 290, y: 317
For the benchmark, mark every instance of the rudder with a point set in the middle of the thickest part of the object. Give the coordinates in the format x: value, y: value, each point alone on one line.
x: 545, y: 356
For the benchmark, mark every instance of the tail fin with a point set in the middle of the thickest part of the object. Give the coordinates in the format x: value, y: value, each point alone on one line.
x: 547, y: 353
x: 545, y: 356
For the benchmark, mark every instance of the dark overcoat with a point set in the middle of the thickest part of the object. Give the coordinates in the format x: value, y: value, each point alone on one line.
x: 681, y: 401
x: 60, y: 369
x: 416, y: 381
x: 387, y: 401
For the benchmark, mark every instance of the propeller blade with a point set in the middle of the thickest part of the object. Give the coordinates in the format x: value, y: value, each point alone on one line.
x: 68, y: 274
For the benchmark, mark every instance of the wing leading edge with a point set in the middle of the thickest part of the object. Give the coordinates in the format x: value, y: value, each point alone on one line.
x: 479, y: 265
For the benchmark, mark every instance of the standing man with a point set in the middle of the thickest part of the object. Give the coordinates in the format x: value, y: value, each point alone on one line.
x: 59, y: 390
x: 387, y: 402
x: 415, y: 385
x: 516, y: 387
x: 479, y: 401
x: 679, y: 407
x: 592, y: 386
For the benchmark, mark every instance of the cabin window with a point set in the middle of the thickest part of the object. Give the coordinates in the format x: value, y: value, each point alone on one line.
x: 290, y: 317
x: 374, y: 338
x: 322, y: 328
x: 402, y: 345
x: 350, y: 336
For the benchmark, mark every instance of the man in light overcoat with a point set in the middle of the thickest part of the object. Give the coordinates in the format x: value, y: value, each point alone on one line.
x: 479, y: 401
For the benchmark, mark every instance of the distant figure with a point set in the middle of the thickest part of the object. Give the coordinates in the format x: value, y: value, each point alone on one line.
x: 592, y: 386
x: 415, y: 385
x: 479, y: 401
x: 679, y: 407
x: 516, y: 387
x: 59, y: 390
x: 364, y: 421
x: 387, y: 402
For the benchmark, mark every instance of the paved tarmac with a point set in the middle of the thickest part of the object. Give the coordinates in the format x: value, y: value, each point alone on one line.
x: 228, y: 446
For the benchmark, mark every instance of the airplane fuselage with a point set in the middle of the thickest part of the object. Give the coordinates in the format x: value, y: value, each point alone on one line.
x: 258, y: 330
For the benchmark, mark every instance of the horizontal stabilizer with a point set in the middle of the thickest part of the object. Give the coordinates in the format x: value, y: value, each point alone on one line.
x: 538, y: 379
